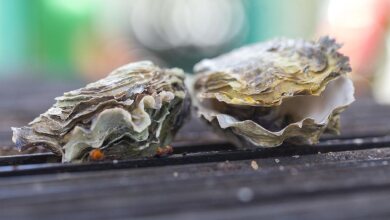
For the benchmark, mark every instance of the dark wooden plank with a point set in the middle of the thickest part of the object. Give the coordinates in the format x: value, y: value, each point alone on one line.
x: 208, y: 189
x: 350, y: 206
x: 183, y: 157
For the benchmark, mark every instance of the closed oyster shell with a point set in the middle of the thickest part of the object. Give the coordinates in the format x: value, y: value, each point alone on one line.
x: 130, y: 113
x: 280, y: 90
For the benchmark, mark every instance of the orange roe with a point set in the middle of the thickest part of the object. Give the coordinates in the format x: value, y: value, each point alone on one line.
x: 96, y: 154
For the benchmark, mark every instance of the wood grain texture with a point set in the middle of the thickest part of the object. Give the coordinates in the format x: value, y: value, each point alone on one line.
x: 175, y: 191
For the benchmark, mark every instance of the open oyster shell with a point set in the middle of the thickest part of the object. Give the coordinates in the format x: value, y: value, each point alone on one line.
x: 280, y: 90
x: 130, y: 113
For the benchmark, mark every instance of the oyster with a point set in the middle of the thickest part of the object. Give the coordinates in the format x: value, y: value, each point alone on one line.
x: 131, y: 113
x: 280, y: 90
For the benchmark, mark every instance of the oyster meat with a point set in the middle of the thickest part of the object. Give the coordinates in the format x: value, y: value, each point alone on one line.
x: 280, y: 90
x: 131, y: 113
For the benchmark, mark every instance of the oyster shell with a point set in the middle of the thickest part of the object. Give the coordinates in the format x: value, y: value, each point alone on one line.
x: 130, y: 113
x: 280, y: 90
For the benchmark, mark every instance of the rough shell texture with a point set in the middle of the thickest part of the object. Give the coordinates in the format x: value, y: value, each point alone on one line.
x: 265, y: 73
x: 283, y: 89
x: 130, y: 113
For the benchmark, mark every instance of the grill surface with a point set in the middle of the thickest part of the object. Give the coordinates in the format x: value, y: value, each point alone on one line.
x: 343, y: 177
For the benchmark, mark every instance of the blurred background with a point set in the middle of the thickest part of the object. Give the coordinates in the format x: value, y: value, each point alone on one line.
x: 83, y: 40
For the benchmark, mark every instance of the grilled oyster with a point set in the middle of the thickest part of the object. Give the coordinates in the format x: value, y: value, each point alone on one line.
x: 131, y: 113
x: 280, y: 90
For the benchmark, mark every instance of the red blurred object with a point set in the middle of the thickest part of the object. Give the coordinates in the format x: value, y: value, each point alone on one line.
x: 361, y: 26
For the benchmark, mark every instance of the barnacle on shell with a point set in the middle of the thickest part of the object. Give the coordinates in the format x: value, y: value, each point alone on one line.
x: 280, y: 90
x: 130, y: 113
